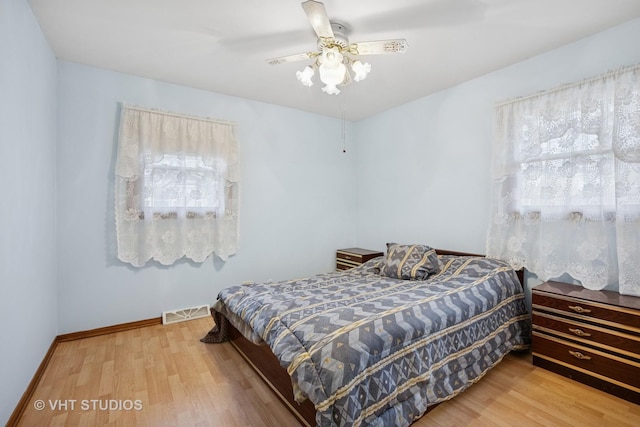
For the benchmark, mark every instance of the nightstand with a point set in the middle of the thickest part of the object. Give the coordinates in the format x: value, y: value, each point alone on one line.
x: 590, y: 336
x: 353, y: 257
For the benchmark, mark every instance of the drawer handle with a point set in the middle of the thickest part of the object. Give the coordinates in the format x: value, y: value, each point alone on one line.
x: 579, y: 309
x: 580, y: 332
x: 579, y: 355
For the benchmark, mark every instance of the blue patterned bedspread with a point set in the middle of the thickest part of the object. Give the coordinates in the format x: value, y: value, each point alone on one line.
x: 371, y: 350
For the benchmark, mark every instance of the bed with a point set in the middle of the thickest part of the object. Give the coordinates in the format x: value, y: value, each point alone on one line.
x: 379, y: 344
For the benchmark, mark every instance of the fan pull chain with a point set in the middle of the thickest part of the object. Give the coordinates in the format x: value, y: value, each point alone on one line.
x: 344, y: 133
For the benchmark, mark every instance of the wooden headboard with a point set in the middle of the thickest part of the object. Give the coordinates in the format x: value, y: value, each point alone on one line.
x: 520, y: 272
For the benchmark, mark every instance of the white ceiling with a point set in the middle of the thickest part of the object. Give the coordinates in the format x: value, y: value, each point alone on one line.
x: 221, y: 46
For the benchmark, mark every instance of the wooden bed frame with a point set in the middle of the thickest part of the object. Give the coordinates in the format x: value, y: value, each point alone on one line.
x: 267, y: 365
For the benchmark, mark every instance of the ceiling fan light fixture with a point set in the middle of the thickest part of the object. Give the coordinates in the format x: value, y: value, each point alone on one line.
x: 361, y: 70
x: 334, y: 54
x: 305, y: 76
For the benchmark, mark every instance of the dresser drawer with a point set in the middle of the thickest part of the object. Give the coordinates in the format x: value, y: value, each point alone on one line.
x: 353, y: 257
x: 599, y: 364
x: 345, y: 264
x: 608, y: 315
x: 591, y: 335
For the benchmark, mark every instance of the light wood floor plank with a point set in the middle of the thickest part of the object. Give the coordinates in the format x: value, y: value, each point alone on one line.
x: 182, y: 382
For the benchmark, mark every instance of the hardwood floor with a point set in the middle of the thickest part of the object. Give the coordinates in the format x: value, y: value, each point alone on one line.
x: 164, y: 376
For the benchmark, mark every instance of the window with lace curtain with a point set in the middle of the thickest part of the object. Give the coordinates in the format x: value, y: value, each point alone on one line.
x: 183, y: 185
x: 176, y: 187
x: 566, y: 172
x: 570, y: 173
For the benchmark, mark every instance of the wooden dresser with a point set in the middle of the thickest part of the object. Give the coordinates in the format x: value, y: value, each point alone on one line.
x: 353, y: 257
x: 590, y: 336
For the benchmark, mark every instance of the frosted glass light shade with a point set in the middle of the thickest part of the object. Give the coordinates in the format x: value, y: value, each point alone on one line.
x: 331, y: 77
x: 305, y: 75
x: 361, y: 70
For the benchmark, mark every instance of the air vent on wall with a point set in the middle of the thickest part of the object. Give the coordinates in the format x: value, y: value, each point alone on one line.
x: 184, y: 314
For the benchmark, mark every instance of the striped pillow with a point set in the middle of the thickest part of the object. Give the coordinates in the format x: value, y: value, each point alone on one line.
x: 410, y: 262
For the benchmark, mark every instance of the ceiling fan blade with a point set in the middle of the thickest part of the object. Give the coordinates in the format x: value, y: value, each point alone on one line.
x: 380, y: 46
x: 292, y: 58
x: 317, y: 15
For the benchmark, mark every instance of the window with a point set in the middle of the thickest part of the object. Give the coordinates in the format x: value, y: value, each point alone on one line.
x: 176, y: 187
x: 566, y: 171
x: 183, y: 186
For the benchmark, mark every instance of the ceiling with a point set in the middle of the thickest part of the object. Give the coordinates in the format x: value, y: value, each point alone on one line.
x: 221, y: 45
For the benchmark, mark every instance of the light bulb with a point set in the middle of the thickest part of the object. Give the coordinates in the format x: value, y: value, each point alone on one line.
x: 330, y: 57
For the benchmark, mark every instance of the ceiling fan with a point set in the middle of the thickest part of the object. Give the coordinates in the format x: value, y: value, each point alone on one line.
x: 335, y: 52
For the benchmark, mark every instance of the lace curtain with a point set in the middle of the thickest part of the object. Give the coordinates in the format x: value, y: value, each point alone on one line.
x: 176, y: 187
x: 566, y: 173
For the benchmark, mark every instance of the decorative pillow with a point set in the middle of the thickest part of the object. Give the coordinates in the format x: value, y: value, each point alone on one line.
x: 410, y: 262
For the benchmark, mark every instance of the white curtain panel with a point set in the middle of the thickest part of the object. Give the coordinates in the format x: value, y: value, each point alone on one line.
x: 176, y: 187
x: 566, y: 182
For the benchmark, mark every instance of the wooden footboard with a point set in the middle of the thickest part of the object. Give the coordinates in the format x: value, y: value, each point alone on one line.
x: 268, y: 367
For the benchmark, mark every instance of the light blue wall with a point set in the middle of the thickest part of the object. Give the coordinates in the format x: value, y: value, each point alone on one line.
x: 28, y: 305
x: 297, y: 199
x: 424, y: 167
